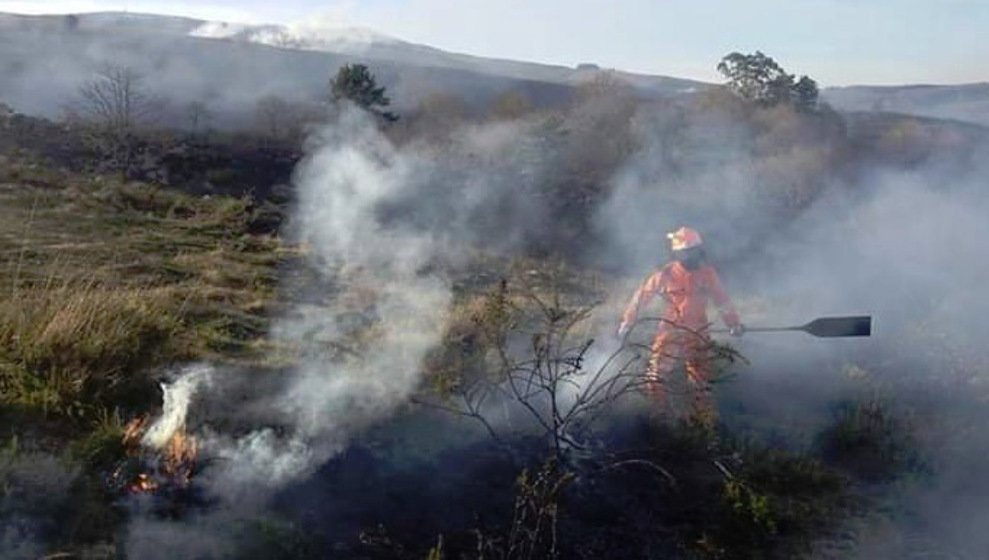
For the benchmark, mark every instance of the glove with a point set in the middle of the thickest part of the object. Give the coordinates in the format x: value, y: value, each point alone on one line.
x: 738, y: 329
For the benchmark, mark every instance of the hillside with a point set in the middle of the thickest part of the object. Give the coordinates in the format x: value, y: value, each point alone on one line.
x: 46, y: 58
x: 967, y: 102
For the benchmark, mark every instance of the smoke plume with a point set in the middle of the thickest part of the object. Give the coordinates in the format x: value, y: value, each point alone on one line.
x: 384, y: 225
x: 905, y: 245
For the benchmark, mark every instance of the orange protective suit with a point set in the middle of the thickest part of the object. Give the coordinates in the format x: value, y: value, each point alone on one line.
x: 682, y: 332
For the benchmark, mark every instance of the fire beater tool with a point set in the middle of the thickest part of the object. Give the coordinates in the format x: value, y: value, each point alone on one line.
x: 825, y: 327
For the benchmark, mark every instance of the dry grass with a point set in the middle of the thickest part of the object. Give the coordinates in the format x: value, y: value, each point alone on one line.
x: 67, y: 345
x: 102, y: 282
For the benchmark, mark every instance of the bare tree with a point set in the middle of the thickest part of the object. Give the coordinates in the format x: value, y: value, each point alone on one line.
x: 537, y: 365
x: 271, y: 117
x: 112, y: 107
x: 117, y: 98
x: 199, y: 116
x: 281, y: 120
x: 550, y: 381
x: 530, y: 368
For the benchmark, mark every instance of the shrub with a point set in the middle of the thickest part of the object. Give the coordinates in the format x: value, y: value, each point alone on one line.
x: 867, y: 440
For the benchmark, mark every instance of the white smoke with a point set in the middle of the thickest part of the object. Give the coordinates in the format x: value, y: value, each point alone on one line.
x: 34, y: 488
x: 483, y: 188
x: 313, y: 35
x: 317, y: 37
x: 176, y: 397
x: 904, y: 245
x: 350, y: 170
x: 385, y: 222
x: 218, y: 30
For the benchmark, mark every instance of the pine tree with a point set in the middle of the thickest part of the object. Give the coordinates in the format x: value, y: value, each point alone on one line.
x: 355, y: 83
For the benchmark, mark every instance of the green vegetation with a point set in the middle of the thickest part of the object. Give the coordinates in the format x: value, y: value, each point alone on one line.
x: 760, y: 79
x: 355, y: 83
x: 106, y: 281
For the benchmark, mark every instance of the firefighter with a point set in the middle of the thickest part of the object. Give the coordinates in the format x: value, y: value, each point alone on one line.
x: 687, y: 283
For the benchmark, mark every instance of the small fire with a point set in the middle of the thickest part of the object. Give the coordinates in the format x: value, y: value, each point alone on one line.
x: 148, y: 470
x: 180, y: 458
x: 134, y: 430
x: 144, y: 484
x: 160, y: 456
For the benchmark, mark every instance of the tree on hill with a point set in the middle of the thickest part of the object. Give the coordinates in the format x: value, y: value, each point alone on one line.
x: 355, y: 83
x: 113, y: 106
x: 272, y: 117
x: 805, y: 94
x: 282, y: 120
x: 760, y: 79
x: 199, y: 116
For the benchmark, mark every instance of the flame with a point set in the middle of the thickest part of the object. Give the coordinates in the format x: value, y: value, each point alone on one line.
x: 179, y: 460
x: 171, y: 466
x: 134, y: 430
x: 144, y: 484
x: 161, y: 455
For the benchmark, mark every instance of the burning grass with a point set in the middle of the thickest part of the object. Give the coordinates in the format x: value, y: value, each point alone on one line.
x: 102, y: 284
x: 152, y: 469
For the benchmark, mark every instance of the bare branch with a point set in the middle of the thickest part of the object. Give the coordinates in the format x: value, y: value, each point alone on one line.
x: 643, y: 462
x: 115, y: 104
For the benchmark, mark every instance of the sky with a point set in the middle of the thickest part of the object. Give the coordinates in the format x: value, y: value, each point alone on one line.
x: 836, y: 42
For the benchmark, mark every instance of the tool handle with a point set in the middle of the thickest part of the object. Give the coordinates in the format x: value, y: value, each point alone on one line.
x: 759, y: 329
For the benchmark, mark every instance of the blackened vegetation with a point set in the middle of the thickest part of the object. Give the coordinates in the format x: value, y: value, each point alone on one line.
x: 218, y: 164
x: 456, y: 492
x: 723, y: 500
x: 563, y: 165
x: 570, y: 485
x: 899, y: 141
x: 230, y: 168
x: 712, y: 498
x: 870, y: 443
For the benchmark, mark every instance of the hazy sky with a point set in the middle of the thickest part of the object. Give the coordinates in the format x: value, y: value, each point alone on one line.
x: 837, y: 42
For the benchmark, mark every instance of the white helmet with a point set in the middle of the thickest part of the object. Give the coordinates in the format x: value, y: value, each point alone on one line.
x: 684, y: 238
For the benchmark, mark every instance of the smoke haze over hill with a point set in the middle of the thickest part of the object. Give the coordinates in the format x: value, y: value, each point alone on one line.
x: 229, y: 67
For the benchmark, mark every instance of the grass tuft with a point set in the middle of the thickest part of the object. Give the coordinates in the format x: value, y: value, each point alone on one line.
x: 67, y: 347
